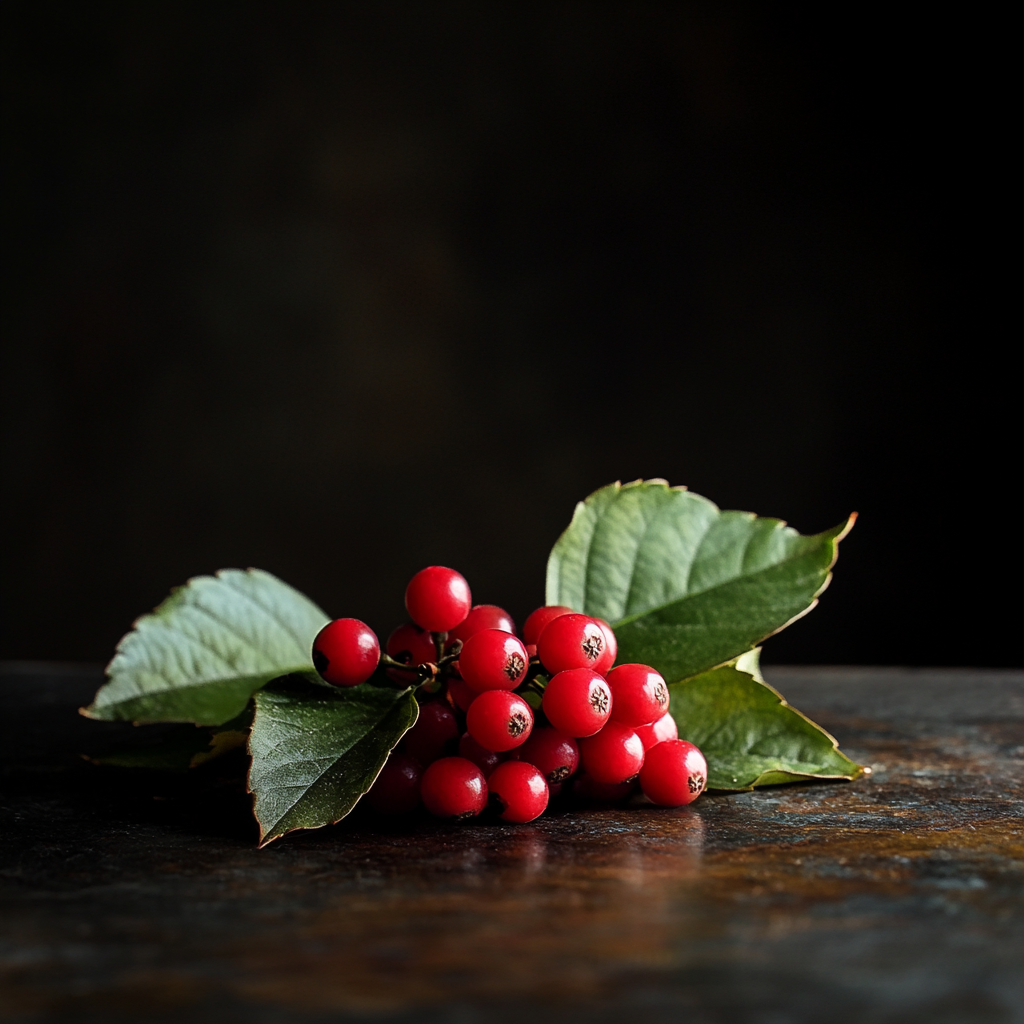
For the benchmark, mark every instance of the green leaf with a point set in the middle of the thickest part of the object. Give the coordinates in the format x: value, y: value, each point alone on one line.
x: 203, y: 653
x: 317, y: 750
x: 749, y: 734
x: 177, y: 748
x: 685, y: 586
x: 177, y: 751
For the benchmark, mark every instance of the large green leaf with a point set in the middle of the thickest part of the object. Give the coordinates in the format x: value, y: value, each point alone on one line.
x: 317, y: 750
x: 686, y: 587
x: 749, y: 734
x: 203, y: 653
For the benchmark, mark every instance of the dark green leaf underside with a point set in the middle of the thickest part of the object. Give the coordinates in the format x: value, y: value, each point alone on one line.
x: 203, y: 653
x: 316, y: 751
x: 749, y: 734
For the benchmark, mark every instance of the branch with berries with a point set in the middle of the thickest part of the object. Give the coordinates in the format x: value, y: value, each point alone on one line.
x: 637, y: 681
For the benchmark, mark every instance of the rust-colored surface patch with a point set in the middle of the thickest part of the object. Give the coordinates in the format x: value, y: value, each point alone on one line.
x: 898, y: 897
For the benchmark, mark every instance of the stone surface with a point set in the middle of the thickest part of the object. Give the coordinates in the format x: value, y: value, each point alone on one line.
x: 132, y: 895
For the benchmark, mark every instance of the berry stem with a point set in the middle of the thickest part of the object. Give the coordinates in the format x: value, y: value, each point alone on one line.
x: 439, y: 642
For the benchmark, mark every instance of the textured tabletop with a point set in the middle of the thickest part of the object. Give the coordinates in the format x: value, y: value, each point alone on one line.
x: 138, y: 896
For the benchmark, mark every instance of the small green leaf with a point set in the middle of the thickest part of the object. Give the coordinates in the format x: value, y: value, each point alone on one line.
x: 317, y: 750
x: 178, y: 748
x: 174, y: 751
x: 685, y: 586
x: 749, y: 734
x: 203, y: 653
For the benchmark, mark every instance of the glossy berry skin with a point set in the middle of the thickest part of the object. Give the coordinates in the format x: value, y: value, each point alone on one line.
x: 485, y: 760
x: 577, y: 702
x: 611, y: 651
x: 639, y: 695
x: 482, y: 616
x: 537, y: 620
x: 434, y: 734
x: 553, y: 753
x: 518, y: 791
x: 674, y: 773
x: 493, y: 660
x: 499, y: 720
x: 438, y: 599
x: 572, y: 641
x: 454, y: 788
x: 460, y: 694
x: 411, y: 645
x: 397, y: 789
x: 346, y: 652
x: 664, y: 728
x: 614, y: 755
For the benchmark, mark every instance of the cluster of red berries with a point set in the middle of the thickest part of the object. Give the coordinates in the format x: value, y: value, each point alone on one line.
x: 522, y: 713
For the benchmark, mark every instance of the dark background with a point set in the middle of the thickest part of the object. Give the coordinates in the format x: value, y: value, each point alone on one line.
x: 342, y: 290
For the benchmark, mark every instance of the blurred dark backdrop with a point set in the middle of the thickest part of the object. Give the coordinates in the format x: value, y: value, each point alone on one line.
x: 341, y: 290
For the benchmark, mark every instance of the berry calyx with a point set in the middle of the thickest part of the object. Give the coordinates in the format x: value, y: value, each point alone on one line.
x: 518, y: 791
x: 674, y: 773
x: 454, y: 788
x: 537, y: 620
x: 412, y: 646
x: 577, y: 702
x: 486, y: 760
x: 499, y: 720
x: 493, y: 660
x: 664, y: 728
x: 434, y: 733
x: 346, y: 652
x: 397, y: 788
x: 553, y: 753
x: 572, y: 641
x: 438, y: 599
x: 640, y: 694
x: 482, y: 616
x: 614, y: 755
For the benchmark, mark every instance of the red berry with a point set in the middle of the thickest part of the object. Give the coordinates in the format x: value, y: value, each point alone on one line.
x: 499, y: 720
x: 493, y: 660
x: 572, y: 641
x: 482, y: 616
x: 585, y: 787
x: 577, y: 702
x: 412, y: 646
x: 397, y: 789
x: 518, y: 791
x: 611, y: 652
x: 664, y: 728
x: 438, y: 599
x: 485, y: 760
x: 639, y: 693
x: 556, y: 755
x: 434, y: 733
x: 461, y: 694
x: 454, y: 788
x: 535, y: 623
x: 674, y: 773
x: 614, y: 755
x: 346, y: 652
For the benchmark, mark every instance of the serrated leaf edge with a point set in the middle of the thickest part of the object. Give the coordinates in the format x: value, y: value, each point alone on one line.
x: 222, y: 575
x: 758, y: 678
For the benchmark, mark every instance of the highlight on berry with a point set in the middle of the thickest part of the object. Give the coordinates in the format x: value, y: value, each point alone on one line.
x: 509, y: 721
